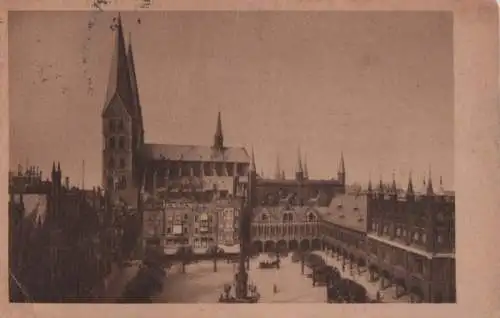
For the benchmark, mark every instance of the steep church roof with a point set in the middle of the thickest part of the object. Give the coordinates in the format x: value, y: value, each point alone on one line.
x: 195, y: 153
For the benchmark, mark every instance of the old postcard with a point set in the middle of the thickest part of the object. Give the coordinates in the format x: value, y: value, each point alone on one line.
x: 237, y: 156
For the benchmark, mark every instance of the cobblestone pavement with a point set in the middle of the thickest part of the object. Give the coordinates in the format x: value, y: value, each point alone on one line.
x: 201, y: 285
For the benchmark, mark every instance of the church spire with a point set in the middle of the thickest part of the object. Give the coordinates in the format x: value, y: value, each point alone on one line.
x: 306, y: 172
x: 277, y: 174
x: 133, y: 80
x: 119, y: 76
x: 219, y: 137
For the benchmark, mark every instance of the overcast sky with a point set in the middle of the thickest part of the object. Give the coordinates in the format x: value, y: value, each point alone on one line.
x: 377, y: 86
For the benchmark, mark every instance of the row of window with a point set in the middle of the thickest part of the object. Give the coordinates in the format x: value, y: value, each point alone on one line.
x: 119, y: 183
x: 116, y: 143
x: 187, y: 170
x: 262, y: 230
x: 116, y: 125
x: 288, y: 217
x: 112, y: 164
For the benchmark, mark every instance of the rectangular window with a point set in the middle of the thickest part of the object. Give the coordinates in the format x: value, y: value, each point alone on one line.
x: 111, y: 143
x: 121, y: 142
x: 112, y: 125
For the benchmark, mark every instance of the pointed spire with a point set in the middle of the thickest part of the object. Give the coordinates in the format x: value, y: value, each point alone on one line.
x: 409, y: 190
x: 306, y: 172
x: 341, y: 164
x: 299, y: 162
x: 119, y: 76
x: 283, y: 176
x: 53, y: 166
x: 370, y: 188
x: 381, y: 185
x: 278, y: 173
x: 394, y: 188
x: 430, y: 189
x: 133, y: 79
x: 341, y: 172
x: 252, y: 166
x: 219, y: 137
x: 58, y: 166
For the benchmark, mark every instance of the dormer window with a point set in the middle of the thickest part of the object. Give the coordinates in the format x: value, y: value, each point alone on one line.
x: 339, y: 206
x: 264, y: 217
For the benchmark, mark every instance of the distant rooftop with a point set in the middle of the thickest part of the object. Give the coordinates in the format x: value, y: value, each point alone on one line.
x: 348, y: 211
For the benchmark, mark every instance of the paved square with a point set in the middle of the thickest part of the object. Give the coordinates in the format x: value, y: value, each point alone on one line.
x: 201, y: 285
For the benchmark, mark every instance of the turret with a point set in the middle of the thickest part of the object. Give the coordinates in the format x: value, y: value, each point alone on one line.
x: 299, y: 173
x: 410, y: 193
x: 430, y: 189
x: 218, y: 137
x: 341, y: 171
x: 306, y: 172
x: 278, y: 172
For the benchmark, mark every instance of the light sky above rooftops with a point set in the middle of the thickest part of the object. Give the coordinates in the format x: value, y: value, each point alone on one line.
x: 376, y: 85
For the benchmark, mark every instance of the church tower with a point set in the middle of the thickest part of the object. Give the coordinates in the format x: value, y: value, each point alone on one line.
x: 122, y: 126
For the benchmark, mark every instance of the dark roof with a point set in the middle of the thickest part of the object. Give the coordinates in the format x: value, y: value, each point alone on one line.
x: 195, y: 153
x: 349, y: 211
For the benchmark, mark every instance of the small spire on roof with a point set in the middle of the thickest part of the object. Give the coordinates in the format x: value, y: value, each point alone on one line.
x: 430, y: 189
x: 299, y: 162
x: 409, y: 190
x: 252, y: 166
x: 306, y: 172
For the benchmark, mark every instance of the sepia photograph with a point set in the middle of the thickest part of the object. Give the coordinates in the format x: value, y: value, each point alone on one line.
x: 231, y: 157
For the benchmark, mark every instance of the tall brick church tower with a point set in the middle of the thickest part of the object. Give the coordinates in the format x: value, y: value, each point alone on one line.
x: 122, y: 126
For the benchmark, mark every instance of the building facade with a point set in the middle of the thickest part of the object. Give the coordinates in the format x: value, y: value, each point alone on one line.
x: 63, y: 241
x: 130, y: 165
x: 405, y: 239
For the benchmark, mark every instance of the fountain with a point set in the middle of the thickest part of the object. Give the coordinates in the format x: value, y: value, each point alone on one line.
x: 243, y: 292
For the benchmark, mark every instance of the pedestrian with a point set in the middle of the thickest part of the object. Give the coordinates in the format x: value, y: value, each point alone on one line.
x: 275, y: 289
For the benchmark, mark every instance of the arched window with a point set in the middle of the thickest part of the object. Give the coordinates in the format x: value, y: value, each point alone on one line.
x: 310, y: 217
